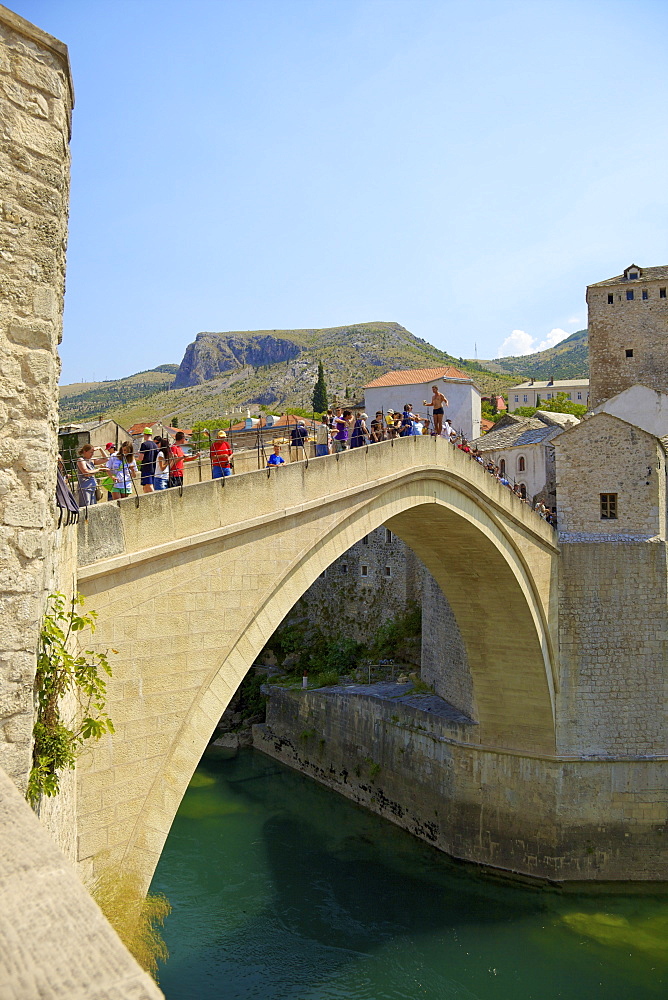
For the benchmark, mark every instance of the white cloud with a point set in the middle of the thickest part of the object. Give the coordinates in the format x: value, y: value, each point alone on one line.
x: 520, y: 343
x: 516, y: 344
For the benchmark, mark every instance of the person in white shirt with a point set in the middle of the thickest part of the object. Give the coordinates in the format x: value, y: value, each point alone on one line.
x: 322, y: 438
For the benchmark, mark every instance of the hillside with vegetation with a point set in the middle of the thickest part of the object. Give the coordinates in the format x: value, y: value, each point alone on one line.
x: 83, y: 401
x: 568, y: 359
x: 276, y: 369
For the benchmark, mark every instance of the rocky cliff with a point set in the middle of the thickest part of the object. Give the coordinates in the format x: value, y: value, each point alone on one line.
x: 236, y: 370
x: 213, y: 354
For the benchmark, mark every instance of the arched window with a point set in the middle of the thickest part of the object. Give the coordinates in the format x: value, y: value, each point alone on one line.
x: 502, y: 466
x: 521, y: 464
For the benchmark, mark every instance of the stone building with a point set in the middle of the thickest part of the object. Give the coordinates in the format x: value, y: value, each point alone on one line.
x: 611, y: 481
x: 628, y: 331
x: 613, y: 609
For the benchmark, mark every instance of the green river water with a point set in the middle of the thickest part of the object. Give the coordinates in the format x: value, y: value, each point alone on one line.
x: 283, y: 890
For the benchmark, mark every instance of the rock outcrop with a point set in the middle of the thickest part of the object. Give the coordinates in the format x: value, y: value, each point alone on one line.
x: 213, y: 354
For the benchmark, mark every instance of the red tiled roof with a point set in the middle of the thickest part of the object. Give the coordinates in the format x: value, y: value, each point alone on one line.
x: 486, y: 425
x: 415, y: 376
x: 137, y: 429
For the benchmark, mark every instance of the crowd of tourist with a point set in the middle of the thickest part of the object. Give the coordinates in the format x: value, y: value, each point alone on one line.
x: 161, y: 464
x: 115, y: 468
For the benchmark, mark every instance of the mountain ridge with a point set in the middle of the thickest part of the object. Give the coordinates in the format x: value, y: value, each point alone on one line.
x: 567, y: 359
x: 238, y: 370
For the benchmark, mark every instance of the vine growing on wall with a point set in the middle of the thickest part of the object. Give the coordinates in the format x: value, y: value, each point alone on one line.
x: 62, y: 666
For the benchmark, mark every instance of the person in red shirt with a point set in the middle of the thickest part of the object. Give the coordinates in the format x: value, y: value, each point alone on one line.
x: 177, y: 458
x: 221, y: 456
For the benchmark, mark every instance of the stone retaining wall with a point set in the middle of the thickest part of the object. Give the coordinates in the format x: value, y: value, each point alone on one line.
x: 549, y: 817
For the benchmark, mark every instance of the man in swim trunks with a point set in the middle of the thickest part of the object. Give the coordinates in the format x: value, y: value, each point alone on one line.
x: 438, y: 401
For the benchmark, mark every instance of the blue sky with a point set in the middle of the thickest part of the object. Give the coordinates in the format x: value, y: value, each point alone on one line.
x: 464, y: 169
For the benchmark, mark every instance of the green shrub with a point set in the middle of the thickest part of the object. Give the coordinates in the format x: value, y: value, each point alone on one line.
x: 63, y: 666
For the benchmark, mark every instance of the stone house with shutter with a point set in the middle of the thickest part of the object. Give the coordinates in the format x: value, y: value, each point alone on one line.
x: 611, y: 469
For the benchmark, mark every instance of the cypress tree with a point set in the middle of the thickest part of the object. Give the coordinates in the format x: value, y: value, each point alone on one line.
x: 320, y: 392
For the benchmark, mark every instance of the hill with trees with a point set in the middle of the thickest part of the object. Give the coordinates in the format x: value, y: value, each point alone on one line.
x: 222, y: 373
x: 568, y: 359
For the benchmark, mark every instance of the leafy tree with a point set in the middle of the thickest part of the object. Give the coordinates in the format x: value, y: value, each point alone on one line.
x: 320, y: 391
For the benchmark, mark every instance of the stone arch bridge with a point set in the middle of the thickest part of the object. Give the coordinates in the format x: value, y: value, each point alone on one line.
x: 190, y: 585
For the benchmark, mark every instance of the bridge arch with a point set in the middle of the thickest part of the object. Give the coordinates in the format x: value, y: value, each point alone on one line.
x: 219, y: 601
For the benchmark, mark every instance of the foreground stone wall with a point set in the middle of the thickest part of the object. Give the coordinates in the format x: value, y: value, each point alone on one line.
x: 54, y: 941
x: 539, y: 815
x: 35, y: 106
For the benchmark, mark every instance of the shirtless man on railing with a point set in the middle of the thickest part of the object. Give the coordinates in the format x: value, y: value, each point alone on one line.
x: 438, y: 401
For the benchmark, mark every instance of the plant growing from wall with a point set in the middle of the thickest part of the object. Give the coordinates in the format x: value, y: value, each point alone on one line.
x: 63, y: 667
x: 135, y: 917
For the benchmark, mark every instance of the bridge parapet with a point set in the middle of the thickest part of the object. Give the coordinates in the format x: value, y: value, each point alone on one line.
x: 154, y: 521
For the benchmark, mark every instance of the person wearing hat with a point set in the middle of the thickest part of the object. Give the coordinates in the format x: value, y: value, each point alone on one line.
x: 148, y: 453
x: 221, y: 456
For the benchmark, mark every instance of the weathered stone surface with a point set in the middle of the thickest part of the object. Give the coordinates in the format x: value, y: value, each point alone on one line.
x: 638, y: 325
x: 229, y: 741
x: 77, y: 955
x: 35, y: 107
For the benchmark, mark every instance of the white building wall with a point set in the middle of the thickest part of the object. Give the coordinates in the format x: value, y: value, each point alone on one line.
x: 535, y: 473
x: 646, y: 408
x: 463, y: 399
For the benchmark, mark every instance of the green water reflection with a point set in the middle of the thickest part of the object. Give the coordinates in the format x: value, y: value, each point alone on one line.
x: 284, y: 891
